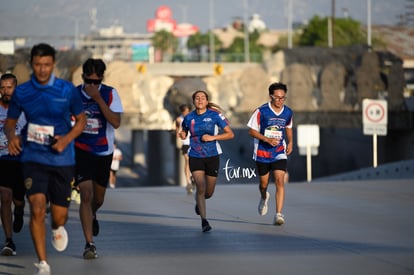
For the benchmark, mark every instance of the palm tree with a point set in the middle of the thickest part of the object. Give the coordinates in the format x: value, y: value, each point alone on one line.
x: 164, y: 41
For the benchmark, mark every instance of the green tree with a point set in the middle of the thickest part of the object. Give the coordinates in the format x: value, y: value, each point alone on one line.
x: 165, y: 42
x: 346, y: 32
x: 235, y: 52
x: 198, y: 40
x: 236, y: 49
x: 256, y: 50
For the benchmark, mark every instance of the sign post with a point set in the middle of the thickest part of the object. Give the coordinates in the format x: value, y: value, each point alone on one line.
x: 308, y: 138
x: 374, y: 120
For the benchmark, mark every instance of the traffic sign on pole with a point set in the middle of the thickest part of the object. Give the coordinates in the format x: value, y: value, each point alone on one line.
x: 374, y: 120
x: 374, y: 117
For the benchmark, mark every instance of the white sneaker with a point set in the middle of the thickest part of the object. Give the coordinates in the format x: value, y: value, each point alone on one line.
x: 263, y: 205
x: 77, y: 199
x: 43, y: 268
x: 279, y: 219
x: 59, y: 238
x: 73, y: 194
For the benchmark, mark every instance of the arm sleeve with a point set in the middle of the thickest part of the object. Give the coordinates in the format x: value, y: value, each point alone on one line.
x: 253, y: 122
x: 116, y: 104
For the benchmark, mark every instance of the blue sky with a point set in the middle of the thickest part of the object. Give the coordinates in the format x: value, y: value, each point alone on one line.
x: 58, y: 17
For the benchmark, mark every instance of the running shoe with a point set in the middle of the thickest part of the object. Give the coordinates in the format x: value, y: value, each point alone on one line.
x: 74, y: 194
x: 263, y: 205
x: 95, y: 226
x: 205, y: 226
x: 90, y: 252
x: 42, y: 268
x: 59, y: 238
x: 279, y: 219
x: 9, y: 248
x: 77, y: 199
x: 18, y: 219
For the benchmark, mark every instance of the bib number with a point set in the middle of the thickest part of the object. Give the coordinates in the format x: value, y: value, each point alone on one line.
x: 273, y: 133
x: 40, y: 134
x: 92, y: 126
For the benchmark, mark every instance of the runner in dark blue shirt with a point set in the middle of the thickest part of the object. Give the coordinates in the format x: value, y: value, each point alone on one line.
x: 204, y: 124
x: 48, y: 156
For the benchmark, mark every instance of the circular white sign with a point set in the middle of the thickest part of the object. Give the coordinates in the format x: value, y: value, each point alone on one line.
x: 375, y: 112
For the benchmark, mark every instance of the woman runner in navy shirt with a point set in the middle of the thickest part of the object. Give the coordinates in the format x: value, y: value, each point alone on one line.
x: 204, y: 154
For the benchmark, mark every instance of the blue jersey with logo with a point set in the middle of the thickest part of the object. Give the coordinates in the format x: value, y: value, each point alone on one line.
x: 198, y: 125
x: 48, y: 109
x: 271, y: 124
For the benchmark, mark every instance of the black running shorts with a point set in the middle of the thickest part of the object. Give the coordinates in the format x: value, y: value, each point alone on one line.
x: 53, y: 181
x: 92, y: 167
x: 11, y: 172
x: 264, y: 168
x: 209, y: 165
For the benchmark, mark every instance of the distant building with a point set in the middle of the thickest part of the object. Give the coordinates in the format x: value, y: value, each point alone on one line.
x: 113, y: 44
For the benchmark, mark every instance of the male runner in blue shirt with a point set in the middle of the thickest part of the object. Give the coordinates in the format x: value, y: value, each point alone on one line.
x: 48, y: 156
x: 271, y: 127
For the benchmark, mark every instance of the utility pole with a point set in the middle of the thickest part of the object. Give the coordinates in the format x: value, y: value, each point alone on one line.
x: 333, y: 22
x: 211, y: 37
x: 331, y: 26
x: 246, y: 34
x: 290, y: 24
x: 369, y: 23
x: 94, y: 22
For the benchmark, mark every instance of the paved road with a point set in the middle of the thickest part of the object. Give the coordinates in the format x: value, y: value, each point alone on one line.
x: 355, y: 227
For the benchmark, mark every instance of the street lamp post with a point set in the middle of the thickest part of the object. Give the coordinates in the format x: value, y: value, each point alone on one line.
x: 369, y: 23
x: 290, y: 24
x: 211, y: 37
x: 331, y: 26
x: 246, y: 34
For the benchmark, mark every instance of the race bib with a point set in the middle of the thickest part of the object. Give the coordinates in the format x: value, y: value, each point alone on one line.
x: 40, y: 134
x: 92, y: 126
x: 273, y: 132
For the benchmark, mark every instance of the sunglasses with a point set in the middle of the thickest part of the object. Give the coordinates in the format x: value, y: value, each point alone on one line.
x: 92, y: 81
x: 281, y: 98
